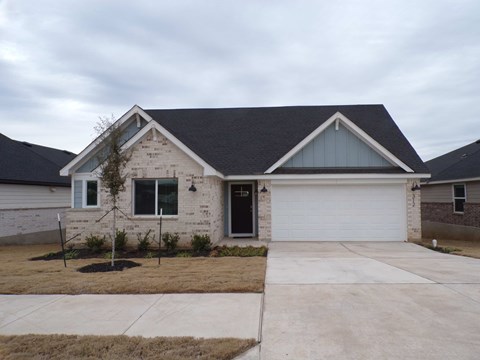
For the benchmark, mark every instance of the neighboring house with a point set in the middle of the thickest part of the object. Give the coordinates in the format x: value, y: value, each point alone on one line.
x: 31, y: 191
x: 299, y: 173
x: 451, y: 197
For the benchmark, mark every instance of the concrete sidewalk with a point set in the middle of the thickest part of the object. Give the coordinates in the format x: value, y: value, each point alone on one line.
x: 197, y: 315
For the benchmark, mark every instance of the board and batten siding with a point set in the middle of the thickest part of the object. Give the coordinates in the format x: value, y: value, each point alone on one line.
x: 442, y: 193
x: 336, y: 148
x: 13, y: 196
x: 77, y: 193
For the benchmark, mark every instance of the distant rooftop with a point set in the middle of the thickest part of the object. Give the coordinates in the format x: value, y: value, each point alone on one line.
x: 462, y: 163
x: 32, y: 164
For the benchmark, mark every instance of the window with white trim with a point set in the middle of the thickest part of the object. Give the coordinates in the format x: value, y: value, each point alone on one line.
x: 459, y: 197
x: 85, y: 193
x: 152, y: 195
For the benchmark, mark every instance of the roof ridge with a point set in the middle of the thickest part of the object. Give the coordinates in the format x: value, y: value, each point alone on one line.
x: 42, y: 146
x: 29, y: 148
x: 18, y: 143
x: 455, y: 163
x: 263, y: 107
x: 453, y: 151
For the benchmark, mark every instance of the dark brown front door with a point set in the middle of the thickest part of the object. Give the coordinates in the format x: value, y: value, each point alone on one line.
x: 241, y: 202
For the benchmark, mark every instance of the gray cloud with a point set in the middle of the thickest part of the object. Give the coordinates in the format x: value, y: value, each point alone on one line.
x: 63, y: 64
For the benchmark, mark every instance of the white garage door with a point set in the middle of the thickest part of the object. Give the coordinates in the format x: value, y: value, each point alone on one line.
x: 339, y: 212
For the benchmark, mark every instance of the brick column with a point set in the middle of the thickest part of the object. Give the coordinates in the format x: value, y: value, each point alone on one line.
x: 414, y: 219
x: 264, y: 211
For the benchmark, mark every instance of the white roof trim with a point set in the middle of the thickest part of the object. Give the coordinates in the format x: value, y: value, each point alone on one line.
x: 352, y: 127
x: 324, y: 176
x: 208, y: 170
x: 339, y: 182
x: 68, y: 169
x: 449, y: 181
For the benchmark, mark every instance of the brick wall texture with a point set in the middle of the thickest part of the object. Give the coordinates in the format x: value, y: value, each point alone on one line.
x: 443, y: 212
x: 264, y: 211
x: 199, y: 212
x: 28, y: 221
x: 414, y: 216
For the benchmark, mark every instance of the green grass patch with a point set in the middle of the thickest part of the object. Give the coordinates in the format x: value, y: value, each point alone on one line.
x: 247, y: 251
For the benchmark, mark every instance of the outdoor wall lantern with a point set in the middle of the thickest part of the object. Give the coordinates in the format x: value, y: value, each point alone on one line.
x: 264, y: 189
x: 415, y: 187
x: 192, y: 187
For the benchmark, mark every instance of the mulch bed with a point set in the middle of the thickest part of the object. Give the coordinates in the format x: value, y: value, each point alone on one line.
x: 107, y: 266
x: 83, y: 253
x: 128, y: 254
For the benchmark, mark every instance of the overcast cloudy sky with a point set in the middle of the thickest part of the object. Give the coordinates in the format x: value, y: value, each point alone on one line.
x: 64, y: 63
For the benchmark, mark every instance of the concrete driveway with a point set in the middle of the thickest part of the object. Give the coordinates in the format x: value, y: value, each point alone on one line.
x: 369, y: 301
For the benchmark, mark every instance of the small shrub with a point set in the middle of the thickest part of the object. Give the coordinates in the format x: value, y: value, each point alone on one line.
x: 149, y: 255
x: 170, y: 240
x: 95, y: 243
x: 184, y: 254
x: 71, y: 254
x: 49, y: 255
x: 121, y: 239
x: 201, y: 243
x: 445, y: 250
x: 144, y: 241
x: 108, y: 255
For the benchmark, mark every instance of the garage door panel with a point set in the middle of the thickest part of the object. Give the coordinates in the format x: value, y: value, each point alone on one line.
x: 338, y: 212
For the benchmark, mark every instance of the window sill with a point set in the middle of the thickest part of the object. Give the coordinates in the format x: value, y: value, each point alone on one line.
x: 458, y: 213
x: 155, y: 217
x: 97, y: 208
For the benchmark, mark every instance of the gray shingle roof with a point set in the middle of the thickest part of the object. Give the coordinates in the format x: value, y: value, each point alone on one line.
x: 245, y: 141
x: 24, y: 163
x: 462, y: 163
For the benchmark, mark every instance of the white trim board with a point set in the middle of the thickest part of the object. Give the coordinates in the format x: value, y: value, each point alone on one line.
x: 355, y: 130
x: 67, y: 169
x: 208, y: 170
x: 153, y: 126
x: 324, y: 176
x: 340, y: 182
x: 449, y: 181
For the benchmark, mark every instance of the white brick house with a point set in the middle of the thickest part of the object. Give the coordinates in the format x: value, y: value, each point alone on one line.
x: 301, y: 173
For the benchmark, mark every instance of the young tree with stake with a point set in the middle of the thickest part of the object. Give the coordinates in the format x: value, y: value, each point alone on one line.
x: 113, y: 160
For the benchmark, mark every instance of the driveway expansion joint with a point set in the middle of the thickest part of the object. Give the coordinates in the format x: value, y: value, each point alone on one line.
x: 460, y: 293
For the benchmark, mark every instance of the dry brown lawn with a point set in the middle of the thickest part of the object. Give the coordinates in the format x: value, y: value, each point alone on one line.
x: 56, y: 347
x: 457, y: 247
x: 18, y: 275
